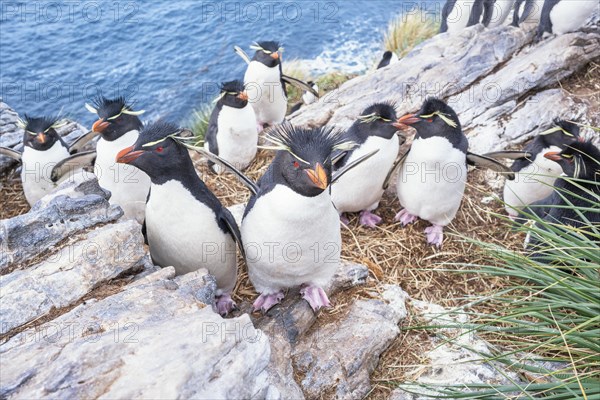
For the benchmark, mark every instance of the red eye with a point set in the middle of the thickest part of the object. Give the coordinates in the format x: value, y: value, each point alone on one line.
x: 430, y: 120
x: 159, y: 149
x: 296, y: 164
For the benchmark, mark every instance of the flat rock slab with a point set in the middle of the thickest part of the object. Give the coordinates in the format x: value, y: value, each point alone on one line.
x: 64, y: 278
x: 71, y: 209
x: 154, y: 339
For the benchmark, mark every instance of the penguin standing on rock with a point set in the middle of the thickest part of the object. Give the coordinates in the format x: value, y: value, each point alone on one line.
x: 496, y: 11
x: 265, y: 83
x: 562, y: 16
x: 459, y: 14
x: 186, y: 225
x: 119, y: 127
x: 362, y: 188
x: 535, y: 174
x: 43, y: 150
x: 232, y: 133
x: 527, y: 12
x: 433, y: 173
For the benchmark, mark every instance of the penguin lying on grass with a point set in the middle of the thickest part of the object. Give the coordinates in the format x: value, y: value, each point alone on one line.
x: 534, y: 173
x: 290, y: 228
x: 43, y: 149
x: 575, y: 201
x: 231, y: 132
x: 186, y: 225
x: 265, y: 83
x: 362, y: 188
x: 433, y: 173
x: 307, y: 97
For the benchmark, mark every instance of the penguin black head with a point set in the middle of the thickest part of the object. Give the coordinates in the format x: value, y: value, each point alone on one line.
x: 579, y: 160
x: 561, y: 134
x: 435, y: 118
x: 156, y: 152
x: 378, y: 119
x: 267, y: 53
x: 233, y: 94
x: 115, y: 117
x: 40, y: 133
x: 304, y: 159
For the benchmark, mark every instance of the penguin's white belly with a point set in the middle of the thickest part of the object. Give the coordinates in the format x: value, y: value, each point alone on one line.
x: 291, y: 240
x: 533, y: 183
x: 128, y: 185
x: 459, y: 16
x: 361, y: 188
x: 265, y: 93
x: 237, y: 137
x: 502, y: 9
x: 37, y: 169
x: 570, y: 15
x: 183, y: 233
x: 432, y: 180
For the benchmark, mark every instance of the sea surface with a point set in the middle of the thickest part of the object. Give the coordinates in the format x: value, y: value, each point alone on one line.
x: 169, y: 56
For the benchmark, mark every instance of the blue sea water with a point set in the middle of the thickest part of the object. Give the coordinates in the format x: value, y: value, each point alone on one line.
x: 169, y: 56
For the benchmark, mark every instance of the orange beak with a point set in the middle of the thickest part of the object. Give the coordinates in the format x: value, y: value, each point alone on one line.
x: 275, y: 55
x: 41, y: 137
x: 553, y: 155
x: 127, y: 155
x: 406, y: 120
x: 100, y: 125
x: 318, y: 176
x: 243, y: 96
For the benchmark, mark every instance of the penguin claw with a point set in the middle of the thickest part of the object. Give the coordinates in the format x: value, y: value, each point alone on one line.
x: 435, y: 235
x: 405, y: 217
x: 225, y: 304
x: 369, y: 219
x: 265, y: 302
x: 315, y: 296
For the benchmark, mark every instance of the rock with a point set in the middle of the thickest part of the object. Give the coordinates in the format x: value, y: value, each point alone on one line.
x: 12, y: 136
x: 147, y: 341
x: 337, y: 359
x: 65, y: 277
x: 500, y: 92
x: 56, y: 217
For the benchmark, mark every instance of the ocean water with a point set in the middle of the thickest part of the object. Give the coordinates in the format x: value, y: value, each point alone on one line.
x: 169, y: 56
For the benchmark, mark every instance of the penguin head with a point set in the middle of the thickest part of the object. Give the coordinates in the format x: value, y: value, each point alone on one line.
x: 304, y: 156
x: 378, y: 119
x: 233, y: 94
x: 435, y: 118
x: 561, y: 134
x: 267, y: 53
x: 40, y: 133
x: 156, y: 152
x: 387, y: 56
x: 579, y: 160
x: 115, y: 117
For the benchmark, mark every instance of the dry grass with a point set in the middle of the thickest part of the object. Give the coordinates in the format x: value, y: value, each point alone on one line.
x: 408, y: 30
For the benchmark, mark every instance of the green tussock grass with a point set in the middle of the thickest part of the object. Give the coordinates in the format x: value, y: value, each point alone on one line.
x: 408, y: 30
x: 199, y: 121
x: 550, y: 311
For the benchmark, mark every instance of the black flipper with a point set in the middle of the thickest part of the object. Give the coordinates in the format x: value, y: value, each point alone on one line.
x: 529, y: 5
x: 395, y: 166
x: 81, y: 141
x: 299, y: 84
x: 509, y: 154
x: 545, y: 21
x: 339, y: 173
x: 445, y: 12
x: 296, y: 107
x: 72, y: 163
x: 490, y: 163
x: 8, y: 152
x: 226, y: 216
x: 476, y: 11
x: 488, y: 11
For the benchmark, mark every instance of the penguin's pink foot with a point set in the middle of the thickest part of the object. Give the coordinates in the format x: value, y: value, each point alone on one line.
x: 315, y: 296
x: 435, y: 235
x: 225, y: 304
x: 369, y: 219
x: 266, y: 301
x: 344, y: 219
x: 405, y: 217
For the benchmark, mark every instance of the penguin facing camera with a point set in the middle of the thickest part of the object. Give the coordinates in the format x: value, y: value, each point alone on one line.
x: 187, y: 227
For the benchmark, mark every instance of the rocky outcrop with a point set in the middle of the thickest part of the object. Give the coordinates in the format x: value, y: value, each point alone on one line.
x: 499, y: 83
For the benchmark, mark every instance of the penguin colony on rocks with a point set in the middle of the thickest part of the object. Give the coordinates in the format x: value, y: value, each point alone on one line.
x: 290, y: 233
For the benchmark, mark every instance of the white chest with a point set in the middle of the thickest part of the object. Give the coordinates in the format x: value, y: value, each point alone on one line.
x: 37, y: 169
x: 362, y: 187
x: 265, y: 92
x: 502, y: 9
x: 570, y: 15
x: 237, y: 136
